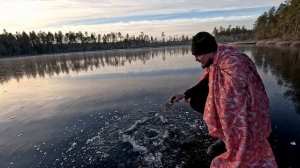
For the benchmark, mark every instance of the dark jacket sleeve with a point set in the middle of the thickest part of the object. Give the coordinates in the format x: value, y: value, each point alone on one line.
x: 198, y: 95
x: 197, y: 89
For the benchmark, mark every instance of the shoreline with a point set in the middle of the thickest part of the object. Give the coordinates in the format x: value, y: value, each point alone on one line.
x: 93, y: 51
x: 265, y: 42
x: 269, y: 43
x: 279, y: 43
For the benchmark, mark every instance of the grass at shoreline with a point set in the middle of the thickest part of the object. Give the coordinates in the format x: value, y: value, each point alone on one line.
x: 269, y: 42
x: 279, y: 43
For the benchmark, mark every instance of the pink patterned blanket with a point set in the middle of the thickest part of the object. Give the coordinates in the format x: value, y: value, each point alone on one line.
x: 237, y: 111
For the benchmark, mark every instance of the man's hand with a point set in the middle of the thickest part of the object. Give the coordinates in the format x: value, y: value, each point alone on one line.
x: 176, y: 98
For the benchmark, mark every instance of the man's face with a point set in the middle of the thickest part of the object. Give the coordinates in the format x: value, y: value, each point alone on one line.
x: 205, y: 59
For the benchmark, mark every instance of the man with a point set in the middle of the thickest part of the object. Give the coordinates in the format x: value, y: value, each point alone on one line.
x: 236, y: 110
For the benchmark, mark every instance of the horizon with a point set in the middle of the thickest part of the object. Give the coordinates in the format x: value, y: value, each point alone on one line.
x: 128, y: 16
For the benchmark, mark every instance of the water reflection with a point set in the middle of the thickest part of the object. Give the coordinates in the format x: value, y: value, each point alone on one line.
x: 284, y: 64
x: 42, y: 66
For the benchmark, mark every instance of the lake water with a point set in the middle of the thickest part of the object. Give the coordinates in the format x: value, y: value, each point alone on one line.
x: 106, y: 109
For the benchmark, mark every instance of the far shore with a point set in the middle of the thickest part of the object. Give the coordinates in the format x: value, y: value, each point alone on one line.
x: 266, y: 42
x: 270, y: 42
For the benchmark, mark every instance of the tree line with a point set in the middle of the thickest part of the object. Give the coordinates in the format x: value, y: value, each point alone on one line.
x: 231, y: 34
x: 47, y: 42
x: 283, y: 22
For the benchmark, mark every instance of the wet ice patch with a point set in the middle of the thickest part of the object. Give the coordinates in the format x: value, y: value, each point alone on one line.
x: 135, y: 125
x: 136, y: 147
x: 152, y: 133
x: 154, y: 160
x: 147, y: 138
x: 93, y: 139
x: 72, y: 147
x: 163, y: 119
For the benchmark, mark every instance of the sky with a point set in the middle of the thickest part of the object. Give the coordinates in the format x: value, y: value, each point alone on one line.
x: 152, y: 17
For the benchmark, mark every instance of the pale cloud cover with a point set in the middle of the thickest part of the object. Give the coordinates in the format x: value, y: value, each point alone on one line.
x: 130, y: 16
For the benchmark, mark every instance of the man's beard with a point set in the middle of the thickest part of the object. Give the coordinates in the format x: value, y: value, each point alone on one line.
x: 208, y: 63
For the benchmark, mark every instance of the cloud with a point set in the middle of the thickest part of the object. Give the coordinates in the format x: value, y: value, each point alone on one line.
x: 156, y: 27
x: 171, y: 16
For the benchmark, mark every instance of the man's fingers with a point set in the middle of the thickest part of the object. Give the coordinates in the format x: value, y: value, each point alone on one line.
x: 176, y: 98
x: 173, y: 99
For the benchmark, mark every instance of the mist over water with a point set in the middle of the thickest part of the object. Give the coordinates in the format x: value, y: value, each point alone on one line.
x: 106, y: 109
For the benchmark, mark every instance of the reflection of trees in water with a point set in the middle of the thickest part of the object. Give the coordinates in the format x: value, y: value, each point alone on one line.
x: 41, y: 66
x: 284, y: 63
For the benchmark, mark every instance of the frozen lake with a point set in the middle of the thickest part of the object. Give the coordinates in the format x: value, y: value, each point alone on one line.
x: 105, y: 109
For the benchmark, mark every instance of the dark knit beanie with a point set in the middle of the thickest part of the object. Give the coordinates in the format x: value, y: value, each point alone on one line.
x: 203, y: 43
